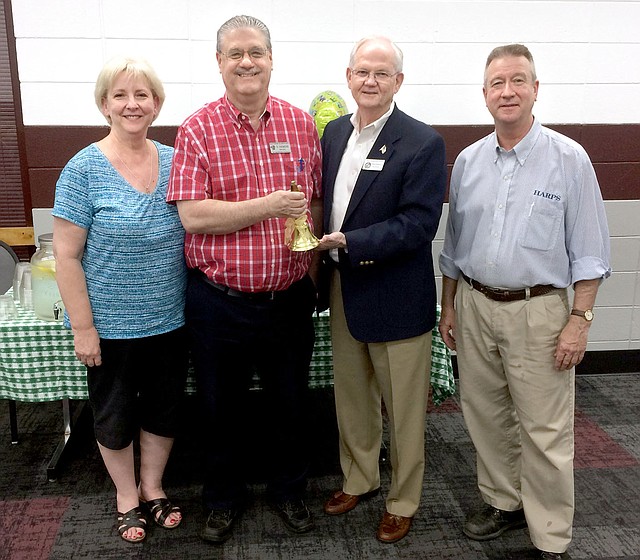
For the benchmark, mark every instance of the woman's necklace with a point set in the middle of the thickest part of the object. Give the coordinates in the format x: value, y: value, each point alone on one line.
x: 147, y: 186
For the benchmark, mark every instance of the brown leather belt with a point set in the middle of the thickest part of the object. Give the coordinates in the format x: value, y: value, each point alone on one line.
x: 497, y: 294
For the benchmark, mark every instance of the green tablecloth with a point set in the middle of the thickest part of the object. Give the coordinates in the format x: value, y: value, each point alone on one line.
x: 38, y: 362
x: 443, y: 384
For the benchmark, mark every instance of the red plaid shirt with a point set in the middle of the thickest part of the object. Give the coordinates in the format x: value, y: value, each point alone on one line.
x: 219, y: 155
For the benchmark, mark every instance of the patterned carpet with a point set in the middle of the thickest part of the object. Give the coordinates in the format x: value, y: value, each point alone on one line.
x: 74, y: 517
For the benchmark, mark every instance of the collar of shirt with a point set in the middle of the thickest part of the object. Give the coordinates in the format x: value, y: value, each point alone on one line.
x: 375, y: 126
x: 523, y: 148
x: 238, y: 117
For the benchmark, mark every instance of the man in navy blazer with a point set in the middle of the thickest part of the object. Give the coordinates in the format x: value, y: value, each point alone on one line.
x: 384, y: 178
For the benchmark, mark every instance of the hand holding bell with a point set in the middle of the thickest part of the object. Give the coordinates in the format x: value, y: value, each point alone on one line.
x: 297, y: 234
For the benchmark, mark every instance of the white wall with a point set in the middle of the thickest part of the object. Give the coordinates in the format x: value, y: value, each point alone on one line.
x: 618, y: 305
x: 586, y: 53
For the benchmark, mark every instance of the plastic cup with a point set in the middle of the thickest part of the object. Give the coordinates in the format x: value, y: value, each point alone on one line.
x: 8, y: 309
x: 17, y: 279
x: 26, y: 290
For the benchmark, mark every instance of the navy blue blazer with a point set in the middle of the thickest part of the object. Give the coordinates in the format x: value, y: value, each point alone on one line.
x: 387, y: 275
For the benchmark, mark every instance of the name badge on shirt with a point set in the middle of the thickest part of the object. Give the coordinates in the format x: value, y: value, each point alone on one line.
x: 279, y: 147
x: 373, y: 164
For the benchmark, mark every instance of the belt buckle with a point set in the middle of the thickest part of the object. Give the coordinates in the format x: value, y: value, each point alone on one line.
x: 503, y: 295
x: 260, y: 296
x: 494, y: 293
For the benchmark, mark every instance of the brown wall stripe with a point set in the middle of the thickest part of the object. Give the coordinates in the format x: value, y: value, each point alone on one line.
x: 614, y: 150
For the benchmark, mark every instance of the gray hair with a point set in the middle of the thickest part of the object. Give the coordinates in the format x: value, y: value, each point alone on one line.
x: 397, y: 63
x: 240, y: 22
x: 511, y: 50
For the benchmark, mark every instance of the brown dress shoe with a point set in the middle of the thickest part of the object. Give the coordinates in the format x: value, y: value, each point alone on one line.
x: 392, y: 528
x: 341, y: 502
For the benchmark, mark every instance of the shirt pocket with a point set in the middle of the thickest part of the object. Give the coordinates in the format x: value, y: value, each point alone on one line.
x: 297, y: 169
x: 542, y: 225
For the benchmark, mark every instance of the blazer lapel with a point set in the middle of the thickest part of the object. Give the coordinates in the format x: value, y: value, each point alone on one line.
x: 383, y: 149
x: 336, y: 150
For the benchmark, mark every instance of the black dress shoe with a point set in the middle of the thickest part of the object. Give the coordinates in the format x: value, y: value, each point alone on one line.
x: 219, y: 525
x: 492, y: 522
x: 295, y: 515
x: 554, y: 555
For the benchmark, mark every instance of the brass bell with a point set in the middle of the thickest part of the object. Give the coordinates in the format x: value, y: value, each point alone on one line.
x: 297, y: 234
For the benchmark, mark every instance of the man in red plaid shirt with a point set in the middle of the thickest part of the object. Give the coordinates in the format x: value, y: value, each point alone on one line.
x: 250, y: 299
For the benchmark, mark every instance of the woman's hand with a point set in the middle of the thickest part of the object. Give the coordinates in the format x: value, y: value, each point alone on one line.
x: 87, y: 346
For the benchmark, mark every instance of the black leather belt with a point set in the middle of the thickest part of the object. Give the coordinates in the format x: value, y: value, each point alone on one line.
x: 253, y: 296
x: 498, y: 294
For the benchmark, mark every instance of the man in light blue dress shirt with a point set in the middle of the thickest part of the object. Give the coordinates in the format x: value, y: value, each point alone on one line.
x: 526, y: 221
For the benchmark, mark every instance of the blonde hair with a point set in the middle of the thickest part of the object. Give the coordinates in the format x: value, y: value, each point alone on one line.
x: 136, y: 67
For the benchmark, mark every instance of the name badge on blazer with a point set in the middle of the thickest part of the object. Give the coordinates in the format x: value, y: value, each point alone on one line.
x: 373, y: 164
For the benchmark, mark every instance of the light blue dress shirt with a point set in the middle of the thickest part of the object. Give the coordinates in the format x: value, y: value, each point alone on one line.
x: 532, y: 215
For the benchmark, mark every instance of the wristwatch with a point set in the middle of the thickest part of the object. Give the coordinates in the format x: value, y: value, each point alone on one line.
x: 587, y: 314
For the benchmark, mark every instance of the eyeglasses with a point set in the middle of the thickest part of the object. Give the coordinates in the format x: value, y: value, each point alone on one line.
x: 377, y: 76
x: 254, y: 53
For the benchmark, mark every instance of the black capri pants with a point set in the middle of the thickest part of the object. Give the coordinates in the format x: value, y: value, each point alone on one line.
x: 139, y: 385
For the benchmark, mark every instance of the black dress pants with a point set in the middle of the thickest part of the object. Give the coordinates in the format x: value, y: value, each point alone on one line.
x: 231, y: 338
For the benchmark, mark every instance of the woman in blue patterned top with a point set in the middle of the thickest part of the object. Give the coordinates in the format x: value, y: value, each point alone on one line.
x: 121, y: 273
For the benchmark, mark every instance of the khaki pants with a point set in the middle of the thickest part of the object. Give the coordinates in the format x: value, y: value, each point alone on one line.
x: 397, y: 372
x: 518, y: 408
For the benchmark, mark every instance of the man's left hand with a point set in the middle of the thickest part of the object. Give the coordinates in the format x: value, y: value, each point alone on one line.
x: 335, y: 240
x: 572, y: 344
